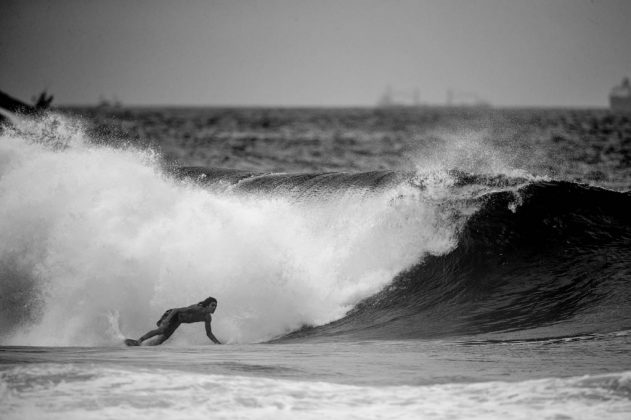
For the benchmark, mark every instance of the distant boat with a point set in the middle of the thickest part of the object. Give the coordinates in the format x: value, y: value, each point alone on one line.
x: 106, y: 104
x: 399, y: 99
x: 620, y: 96
x: 412, y: 99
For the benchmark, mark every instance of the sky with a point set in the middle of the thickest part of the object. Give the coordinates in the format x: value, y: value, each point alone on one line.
x: 315, y: 53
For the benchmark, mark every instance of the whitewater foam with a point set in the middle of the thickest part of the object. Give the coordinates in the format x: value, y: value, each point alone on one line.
x: 89, y: 229
x: 73, y: 391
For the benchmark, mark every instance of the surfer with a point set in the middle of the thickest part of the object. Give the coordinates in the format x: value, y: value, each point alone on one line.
x: 171, y: 320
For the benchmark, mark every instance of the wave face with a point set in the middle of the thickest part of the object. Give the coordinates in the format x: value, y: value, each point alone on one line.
x: 553, y: 259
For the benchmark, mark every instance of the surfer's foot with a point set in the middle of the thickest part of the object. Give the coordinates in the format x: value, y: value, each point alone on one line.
x: 132, y: 342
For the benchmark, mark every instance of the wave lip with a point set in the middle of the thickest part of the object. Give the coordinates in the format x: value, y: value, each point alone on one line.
x: 298, y: 185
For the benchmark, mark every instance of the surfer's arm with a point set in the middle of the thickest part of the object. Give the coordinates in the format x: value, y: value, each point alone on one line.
x: 209, y: 332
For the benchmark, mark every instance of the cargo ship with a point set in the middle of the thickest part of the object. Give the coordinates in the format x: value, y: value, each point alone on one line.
x: 620, y: 97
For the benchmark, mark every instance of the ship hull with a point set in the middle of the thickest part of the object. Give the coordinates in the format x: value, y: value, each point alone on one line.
x: 620, y: 103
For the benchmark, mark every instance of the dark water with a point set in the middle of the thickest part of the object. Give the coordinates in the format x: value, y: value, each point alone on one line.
x: 592, y: 146
x: 397, y: 263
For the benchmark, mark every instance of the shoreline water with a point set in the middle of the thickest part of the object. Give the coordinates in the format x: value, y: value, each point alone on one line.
x: 379, y: 363
x: 186, y: 383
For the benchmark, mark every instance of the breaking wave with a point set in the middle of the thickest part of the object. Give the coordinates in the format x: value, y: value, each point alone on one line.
x: 97, y: 241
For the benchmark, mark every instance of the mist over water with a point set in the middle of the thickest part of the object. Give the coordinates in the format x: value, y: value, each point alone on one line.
x: 99, y: 240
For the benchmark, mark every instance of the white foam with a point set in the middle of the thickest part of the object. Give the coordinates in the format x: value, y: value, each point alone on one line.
x: 87, y: 230
x: 67, y: 391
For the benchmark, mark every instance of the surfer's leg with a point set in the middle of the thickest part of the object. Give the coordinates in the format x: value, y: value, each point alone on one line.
x: 163, y: 333
x: 152, y: 333
x: 161, y: 338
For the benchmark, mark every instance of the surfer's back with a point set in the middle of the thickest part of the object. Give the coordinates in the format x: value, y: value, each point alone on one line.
x: 193, y: 313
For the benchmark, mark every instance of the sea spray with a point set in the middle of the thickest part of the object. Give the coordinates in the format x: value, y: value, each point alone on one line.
x: 89, y: 230
x: 472, y: 151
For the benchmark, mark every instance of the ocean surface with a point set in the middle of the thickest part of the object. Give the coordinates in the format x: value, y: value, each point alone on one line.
x: 436, y: 263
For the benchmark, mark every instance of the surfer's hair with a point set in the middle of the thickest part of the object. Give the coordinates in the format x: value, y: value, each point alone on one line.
x: 207, y: 301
